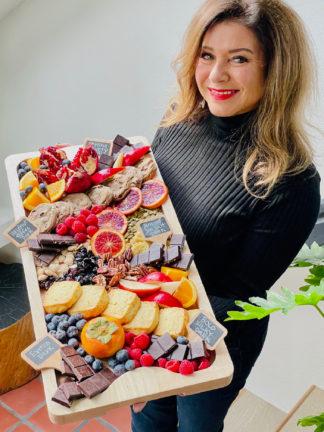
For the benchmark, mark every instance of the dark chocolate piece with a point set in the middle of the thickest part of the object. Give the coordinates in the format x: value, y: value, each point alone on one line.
x: 155, y: 256
x: 93, y: 385
x: 179, y: 353
x: 105, y: 161
x: 108, y: 374
x: 83, y: 372
x: 60, y: 398
x: 196, y: 350
x: 35, y: 246
x: 71, y: 391
x: 55, y: 239
x: 184, y: 262
x: 66, y: 370
x: 46, y: 257
x: 126, y: 149
x: 68, y: 351
x: 75, y: 361
x: 143, y: 258
x: 177, y: 240
x: 167, y: 343
x: 154, y: 338
x: 156, y: 350
x: 172, y: 254
x: 118, y: 143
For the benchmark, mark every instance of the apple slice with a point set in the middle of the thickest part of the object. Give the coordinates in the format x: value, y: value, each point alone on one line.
x: 155, y: 277
x: 139, y: 288
x: 170, y: 287
x: 119, y: 161
x: 164, y: 299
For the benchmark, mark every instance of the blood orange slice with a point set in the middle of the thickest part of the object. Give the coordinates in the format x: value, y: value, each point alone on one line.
x: 131, y: 203
x: 154, y: 194
x: 107, y: 240
x: 112, y: 219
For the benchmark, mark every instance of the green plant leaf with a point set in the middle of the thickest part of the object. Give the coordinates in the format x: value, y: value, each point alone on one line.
x: 317, y: 274
x: 309, y: 256
x: 313, y: 421
x: 312, y: 296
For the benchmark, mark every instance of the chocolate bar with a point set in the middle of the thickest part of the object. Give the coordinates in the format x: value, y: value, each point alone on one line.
x: 196, y: 350
x: 71, y: 391
x: 171, y: 255
x: 143, y: 258
x: 94, y: 385
x: 177, y: 240
x: 105, y: 161
x: 55, y: 239
x: 108, y: 374
x: 156, y: 350
x: 66, y: 370
x: 46, y: 257
x: 83, y: 372
x: 118, y: 143
x: 60, y: 398
x: 78, y: 365
x: 126, y: 149
x: 184, y: 262
x: 75, y: 361
x: 179, y: 353
x: 35, y: 246
x: 167, y: 343
x: 68, y: 351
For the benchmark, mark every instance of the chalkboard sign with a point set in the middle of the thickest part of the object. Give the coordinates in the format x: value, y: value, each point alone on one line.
x: 20, y: 231
x: 100, y: 146
x: 208, y: 329
x: 44, y: 353
x: 155, y: 229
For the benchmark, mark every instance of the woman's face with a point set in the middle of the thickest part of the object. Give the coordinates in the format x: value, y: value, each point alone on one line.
x: 230, y: 69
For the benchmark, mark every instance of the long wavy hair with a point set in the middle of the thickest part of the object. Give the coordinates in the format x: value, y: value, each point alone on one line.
x: 279, y: 142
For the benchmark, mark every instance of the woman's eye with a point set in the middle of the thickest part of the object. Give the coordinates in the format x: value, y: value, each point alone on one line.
x: 239, y: 59
x: 206, y: 56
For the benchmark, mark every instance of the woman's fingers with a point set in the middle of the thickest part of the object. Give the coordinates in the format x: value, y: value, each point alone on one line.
x: 138, y: 407
x: 182, y: 394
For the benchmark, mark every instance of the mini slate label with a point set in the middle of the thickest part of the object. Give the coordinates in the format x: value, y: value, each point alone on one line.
x: 22, y: 231
x: 100, y: 147
x: 206, y: 329
x: 42, y: 350
x: 155, y: 227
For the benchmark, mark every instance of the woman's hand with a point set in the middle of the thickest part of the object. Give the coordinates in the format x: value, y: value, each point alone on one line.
x: 139, y: 406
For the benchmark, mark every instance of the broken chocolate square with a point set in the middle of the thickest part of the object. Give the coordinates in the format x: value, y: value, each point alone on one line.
x: 143, y: 258
x: 83, y: 372
x: 68, y: 351
x: 156, y: 350
x: 184, y: 262
x: 60, y: 398
x: 75, y: 361
x: 166, y: 342
x: 172, y: 254
x: 66, y: 370
x: 196, y: 350
x: 108, y: 374
x: 105, y: 161
x: 71, y: 391
x: 179, y: 353
x: 177, y: 240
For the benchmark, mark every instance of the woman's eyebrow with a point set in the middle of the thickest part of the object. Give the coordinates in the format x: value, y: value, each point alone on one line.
x: 230, y: 51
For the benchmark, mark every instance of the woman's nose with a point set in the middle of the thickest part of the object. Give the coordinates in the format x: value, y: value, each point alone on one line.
x: 219, y: 72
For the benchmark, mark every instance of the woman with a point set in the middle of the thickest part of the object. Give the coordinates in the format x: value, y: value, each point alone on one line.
x: 234, y: 153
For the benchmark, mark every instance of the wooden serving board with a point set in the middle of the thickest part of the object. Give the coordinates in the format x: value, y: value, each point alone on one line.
x: 141, y: 384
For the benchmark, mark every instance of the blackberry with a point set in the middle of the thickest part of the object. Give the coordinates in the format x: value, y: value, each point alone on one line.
x: 97, y: 365
x: 89, y: 359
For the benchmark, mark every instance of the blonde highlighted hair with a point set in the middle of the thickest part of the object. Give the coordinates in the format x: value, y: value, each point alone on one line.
x: 279, y: 142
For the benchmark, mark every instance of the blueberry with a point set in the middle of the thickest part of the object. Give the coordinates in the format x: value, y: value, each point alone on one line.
x: 28, y: 189
x: 122, y: 355
x: 42, y: 187
x: 81, y: 351
x: 73, y: 342
x: 51, y: 326
x: 60, y: 335
x: 64, y: 317
x: 89, y: 359
x: 130, y: 365
x: 22, y: 194
x: 43, y: 166
x: 21, y: 173
x: 27, y: 168
x: 97, y: 365
x: 119, y: 369
x: 182, y: 340
x: 53, y: 333
x: 66, y: 162
x: 112, y: 362
x: 74, y: 318
x: 80, y: 324
x: 48, y: 317
x: 72, y: 331
x: 55, y: 319
x: 23, y: 165
x: 63, y: 325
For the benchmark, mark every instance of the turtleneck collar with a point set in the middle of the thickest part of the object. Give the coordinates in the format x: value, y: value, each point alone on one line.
x: 226, y: 126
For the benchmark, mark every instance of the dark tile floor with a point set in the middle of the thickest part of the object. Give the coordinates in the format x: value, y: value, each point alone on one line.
x: 24, y: 410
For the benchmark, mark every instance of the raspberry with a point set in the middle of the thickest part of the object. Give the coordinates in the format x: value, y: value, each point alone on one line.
x: 71, y: 232
x: 78, y: 227
x: 161, y: 362
x: 208, y: 354
x: 186, y: 367
x: 69, y: 221
x: 92, y: 220
x: 129, y: 338
x: 81, y: 218
x: 195, y: 364
x: 85, y: 212
x: 80, y: 237
x: 96, y: 209
x: 61, y: 229
x: 127, y: 348
x: 146, y: 360
x: 133, y: 345
x: 137, y: 363
x: 142, y: 341
x: 204, y: 365
x: 172, y: 365
x: 135, y: 353
x: 91, y: 230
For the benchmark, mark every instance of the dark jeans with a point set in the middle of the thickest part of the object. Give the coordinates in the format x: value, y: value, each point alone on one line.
x: 204, y: 412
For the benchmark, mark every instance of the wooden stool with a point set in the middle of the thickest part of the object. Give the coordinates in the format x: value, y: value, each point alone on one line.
x: 16, y: 328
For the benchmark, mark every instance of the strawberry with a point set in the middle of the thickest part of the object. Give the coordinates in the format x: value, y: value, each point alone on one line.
x: 135, y: 353
x: 146, y: 360
x: 142, y: 341
x: 129, y: 338
x: 172, y: 365
x: 80, y: 237
x: 186, y: 367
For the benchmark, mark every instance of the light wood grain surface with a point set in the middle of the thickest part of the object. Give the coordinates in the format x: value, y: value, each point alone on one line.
x: 142, y: 384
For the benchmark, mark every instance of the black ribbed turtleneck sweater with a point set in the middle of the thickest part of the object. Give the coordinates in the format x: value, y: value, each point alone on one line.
x: 241, y: 244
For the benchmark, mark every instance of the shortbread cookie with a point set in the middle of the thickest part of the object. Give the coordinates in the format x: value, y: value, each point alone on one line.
x: 44, y: 216
x: 79, y: 200
x: 100, y: 195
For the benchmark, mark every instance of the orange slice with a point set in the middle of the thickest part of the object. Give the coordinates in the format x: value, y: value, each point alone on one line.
x: 112, y: 219
x: 28, y: 180
x: 154, y: 193
x: 56, y: 190
x: 107, y: 240
x: 34, y: 162
x: 186, y: 293
x: 173, y: 273
x: 35, y: 198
